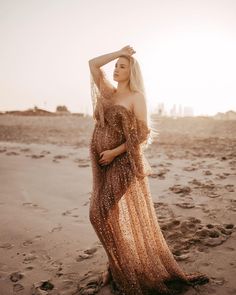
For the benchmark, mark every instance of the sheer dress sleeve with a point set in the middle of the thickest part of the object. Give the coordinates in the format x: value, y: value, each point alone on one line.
x: 137, y: 133
x: 100, y: 95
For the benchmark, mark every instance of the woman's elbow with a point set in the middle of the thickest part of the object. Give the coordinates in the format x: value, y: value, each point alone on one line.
x: 92, y: 63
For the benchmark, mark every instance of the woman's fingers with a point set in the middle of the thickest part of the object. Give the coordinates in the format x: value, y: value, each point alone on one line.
x: 128, y: 50
x: 103, y: 162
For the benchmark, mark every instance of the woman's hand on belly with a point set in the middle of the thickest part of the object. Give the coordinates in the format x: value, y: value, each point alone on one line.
x: 106, y: 157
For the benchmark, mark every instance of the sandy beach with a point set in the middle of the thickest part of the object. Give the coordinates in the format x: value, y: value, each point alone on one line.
x: 47, y: 244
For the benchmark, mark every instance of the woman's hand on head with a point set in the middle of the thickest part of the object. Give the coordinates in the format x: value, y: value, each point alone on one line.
x: 106, y: 157
x: 127, y: 50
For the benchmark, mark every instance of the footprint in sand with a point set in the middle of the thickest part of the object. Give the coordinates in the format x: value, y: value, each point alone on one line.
x: 90, y: 285
x: 34, y: 206
x: 27, y: 242
x: 12, y: 154
x: 213, y: 195
x: 86, y: 203
x: 82, y: 162
x: 55, y: 229
x: 208, y: 188
x: 220, y: 176
x: 180, y: 189
x: 69, y: 212
x: 232, y: 163
x: 25, y: 150
x: 207, y: 172
x: 56, y: 268
x: 154, y: 165
x: 160, y: 174
x: 29, y: 258
x: 183, y: 234
x: 34, y: 156
x: 17, y: 288
x: 6, y: 245
x: 30, y: 242
x: 88, y: 253
x: 68, y: 286
x: 229, y: 187
x: 44, y: 152
x: 217, y: 281
x: 185, y: 205
x: 16, y: 276
x: 37, y: 288
x: 189, y: 168
x: 211, y: 213
x: 163, y: 211
x: 59, y: 157
x: 83, y: 165
x: 232, y: 205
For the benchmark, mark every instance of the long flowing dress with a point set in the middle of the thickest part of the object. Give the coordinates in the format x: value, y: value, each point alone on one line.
x: 121, y: 208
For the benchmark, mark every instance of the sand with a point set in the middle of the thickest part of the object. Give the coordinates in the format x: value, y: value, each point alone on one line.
x: 47, y: 244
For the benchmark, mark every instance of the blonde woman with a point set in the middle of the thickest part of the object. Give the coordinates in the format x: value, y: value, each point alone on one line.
x: 121, y: 208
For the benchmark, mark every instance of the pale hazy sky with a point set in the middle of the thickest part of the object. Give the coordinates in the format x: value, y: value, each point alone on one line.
x: 186, y: 49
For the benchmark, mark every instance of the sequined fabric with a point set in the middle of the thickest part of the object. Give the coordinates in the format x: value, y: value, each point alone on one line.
x: 121, y: 208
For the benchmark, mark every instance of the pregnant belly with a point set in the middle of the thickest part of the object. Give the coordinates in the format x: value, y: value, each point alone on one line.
x: 106, y: 138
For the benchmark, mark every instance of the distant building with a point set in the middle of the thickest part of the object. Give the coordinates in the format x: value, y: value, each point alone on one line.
x: 175, y: 111
x: 62, y: 110
x: 230, y: 115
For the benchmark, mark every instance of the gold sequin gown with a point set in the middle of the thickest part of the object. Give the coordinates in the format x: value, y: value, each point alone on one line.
x: 121, y: 208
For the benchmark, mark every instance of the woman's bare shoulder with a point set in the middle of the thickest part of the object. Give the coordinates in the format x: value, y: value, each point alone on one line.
x: 138, y: 99
x: 139, y: 105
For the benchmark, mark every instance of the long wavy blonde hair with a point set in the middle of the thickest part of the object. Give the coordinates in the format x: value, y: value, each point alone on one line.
x: 136, y: 83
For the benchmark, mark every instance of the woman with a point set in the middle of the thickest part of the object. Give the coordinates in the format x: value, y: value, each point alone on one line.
x: 121, y: 208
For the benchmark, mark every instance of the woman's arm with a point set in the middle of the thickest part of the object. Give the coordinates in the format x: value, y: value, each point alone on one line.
x: 106, y: 157
x: 103, y: 84
x: 97, y: 62
x: 120, y: 149
x: 98, y: 75
x: 140, y: 107
x: 101, y: 60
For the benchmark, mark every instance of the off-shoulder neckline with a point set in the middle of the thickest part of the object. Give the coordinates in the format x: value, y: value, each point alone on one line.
x: 129, y: 111
x: 123, y: 107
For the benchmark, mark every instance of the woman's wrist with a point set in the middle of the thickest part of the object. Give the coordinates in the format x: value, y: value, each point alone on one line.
x: 119, y: 149
x: 101, y: 60
x: 115, y: 152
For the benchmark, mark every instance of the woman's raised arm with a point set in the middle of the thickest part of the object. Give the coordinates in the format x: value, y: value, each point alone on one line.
x: 96, y: 63
x: 97, y: 74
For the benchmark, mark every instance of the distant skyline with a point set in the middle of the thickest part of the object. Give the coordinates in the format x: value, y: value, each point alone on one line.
x: 186, y: 50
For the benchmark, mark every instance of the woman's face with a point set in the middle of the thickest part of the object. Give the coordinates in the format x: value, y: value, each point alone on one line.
x: 122, y: 70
